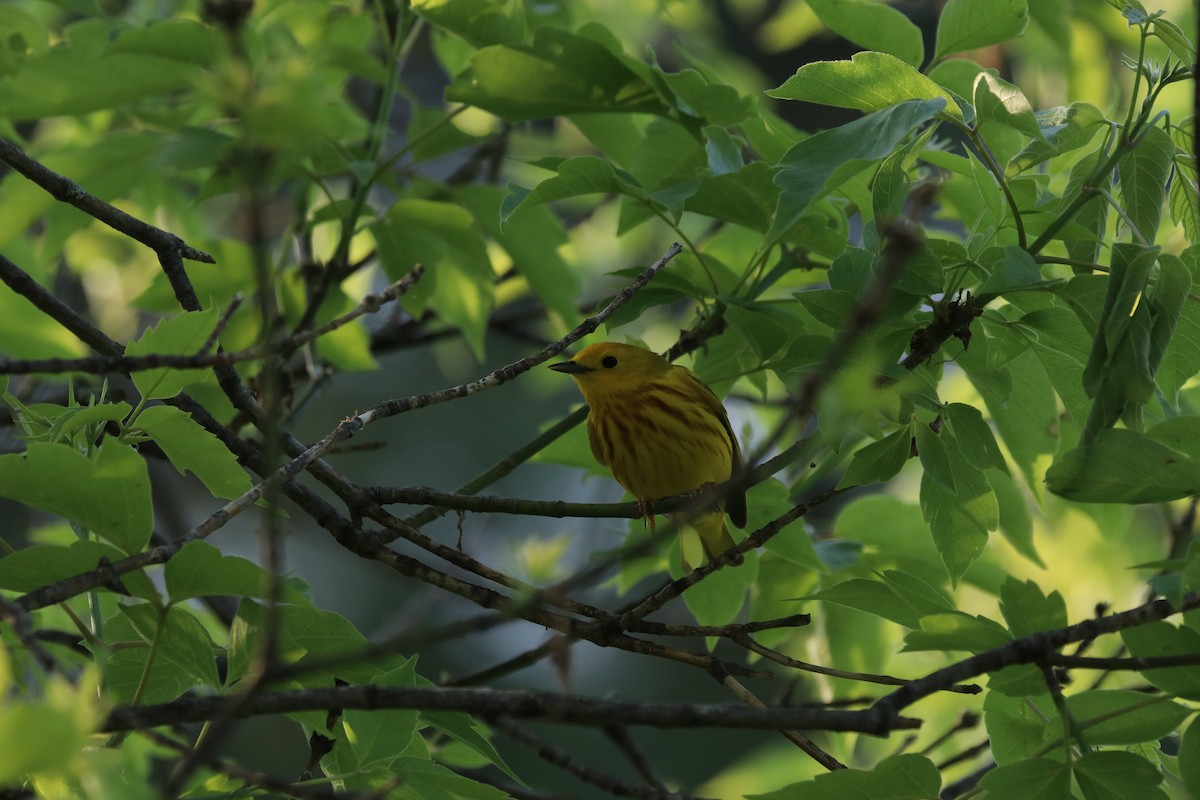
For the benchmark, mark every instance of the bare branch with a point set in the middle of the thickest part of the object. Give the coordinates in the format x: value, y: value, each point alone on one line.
x: 546, y: 706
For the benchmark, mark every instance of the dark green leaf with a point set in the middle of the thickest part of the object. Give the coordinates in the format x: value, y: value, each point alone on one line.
x: 823, y: 161
x: 974, y: 437
x: 1016, y: 523
x: 1117, y: 774
x: 1143, y: 181
x: 560, y: 73
x: 745, y: 197
x: 199, y: 570
x: 1123, y: 716
x: 872, y: 597
x: 1064, y: 128
x: 931, y: 448
x: 872, y: 26
x: 769, y: 500
x: 960, y: 520
x: 1027, y: 610
x: 1164, y: 639
x: 1035, y: 779
x: 480, y: 22
x: 183, y: 643
x: 1189, y: 758
x: 955, y: 631
x: 1124, y: 466
x: 379, y: 736
x: 724, y: 154
x: 971, y: 24
x: 879, y: 461
x: 903, y: 777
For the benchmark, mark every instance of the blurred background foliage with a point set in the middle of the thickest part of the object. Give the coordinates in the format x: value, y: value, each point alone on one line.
x: 188, y: 123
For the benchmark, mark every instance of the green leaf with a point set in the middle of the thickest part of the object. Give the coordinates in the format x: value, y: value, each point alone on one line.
x: 192, y: 448
x: 302, y: 632
x: 1027, y: 419
x: 1117, y: 774
x: 1175, y: 39
x: 576, y: 177
x: 1189, y: 758
x: 724, y: 154
x: 873, y: 597
x: 560, y: 73
x: 902, y: 777
x: 378, y: 736
x: 67, y: 80
x: 696, y: 96
x: 182, y: 40
x: 1092, y: 217
x: 935, y: 459
x: 974, y: 437
x: 1015, y: 725
x: 181, y: 335
x: 199, y: 570
x: 999, y: 101
x: 480, y: 22
x: 746, y: 197
x: 108, y: 494
x: 869, y: 81
x: 1143, y: 174
x: 765, y: 502
x: 45, y: 734
x: 443, y: 237
x: 1064, y: 128
x: 428, y: 779
x: 31, y: 568
x: 533, y: 240
x: 971, y: 24
x: 1035, y: 779
x: 183, y: 643
x: 1124, y: 466
x: 1184, y: 197
x: 879, y: 461
x: 1164, y: 639
x: 823, y: 161
x: 1016, y: 524
x: 956, y: 631
x: 872, y: 26
x: 1028, y: 611
x: 1129, y: 717
x: 1010, y: 270
x: 718, y: 598
x: 959, y: 515
x: 1119, y: 374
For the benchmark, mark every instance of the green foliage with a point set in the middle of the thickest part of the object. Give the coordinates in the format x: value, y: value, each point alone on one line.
x: 961, y: 312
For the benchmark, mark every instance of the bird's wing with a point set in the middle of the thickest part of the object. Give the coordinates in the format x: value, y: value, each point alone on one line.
x: 594, y: 441
x: 735, y: 503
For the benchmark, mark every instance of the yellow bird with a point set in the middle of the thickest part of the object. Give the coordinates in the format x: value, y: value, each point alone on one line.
x: 660, y: 430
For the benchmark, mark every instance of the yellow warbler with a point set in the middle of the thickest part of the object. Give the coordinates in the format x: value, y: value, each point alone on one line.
x: 660, y: 430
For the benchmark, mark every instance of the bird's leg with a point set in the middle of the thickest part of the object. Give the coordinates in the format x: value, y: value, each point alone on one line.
x: 644, y: 509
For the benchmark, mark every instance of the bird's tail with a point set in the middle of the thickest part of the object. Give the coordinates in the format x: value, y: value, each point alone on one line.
x: 714, y: 536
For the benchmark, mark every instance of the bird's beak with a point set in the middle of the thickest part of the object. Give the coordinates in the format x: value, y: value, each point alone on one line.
x: 570, y: 367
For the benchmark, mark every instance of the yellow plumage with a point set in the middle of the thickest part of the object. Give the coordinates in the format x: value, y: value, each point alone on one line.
x: 660, y: 430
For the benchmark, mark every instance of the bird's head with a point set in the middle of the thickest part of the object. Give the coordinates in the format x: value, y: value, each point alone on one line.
x: 609, y: 367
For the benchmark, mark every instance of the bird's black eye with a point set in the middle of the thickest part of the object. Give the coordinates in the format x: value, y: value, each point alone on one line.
x: 609, y: 362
